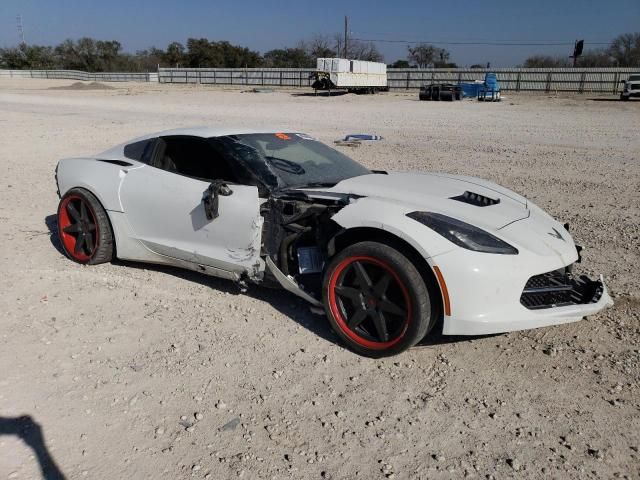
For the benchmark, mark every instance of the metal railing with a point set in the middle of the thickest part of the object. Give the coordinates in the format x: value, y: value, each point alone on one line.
x: 276, y: 77
x: 81, y: 76
x: 590, y: 80
x: 581, y: 80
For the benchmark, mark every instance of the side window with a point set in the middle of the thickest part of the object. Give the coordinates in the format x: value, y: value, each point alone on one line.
x: 140, y: 151
x: 192, y: 157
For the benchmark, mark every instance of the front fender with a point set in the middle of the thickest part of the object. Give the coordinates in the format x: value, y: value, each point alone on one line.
x: 391, y: 217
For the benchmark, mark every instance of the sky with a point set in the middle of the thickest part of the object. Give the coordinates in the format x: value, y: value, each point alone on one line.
x: 265, y: 25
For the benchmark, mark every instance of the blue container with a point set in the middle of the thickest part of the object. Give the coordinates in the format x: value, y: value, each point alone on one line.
x: 470, y: 89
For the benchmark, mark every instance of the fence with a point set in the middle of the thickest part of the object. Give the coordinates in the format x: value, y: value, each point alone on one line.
x: 275, y: 77
x: 591, y: 80
x: 586, y: 80
x: 81, y: 76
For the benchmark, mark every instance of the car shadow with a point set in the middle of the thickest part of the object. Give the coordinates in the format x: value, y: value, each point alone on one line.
x: 285, y: 302
x: 321, y: 93
x: 31, y: 434
x: 436, y: 338
x: 51, y: 222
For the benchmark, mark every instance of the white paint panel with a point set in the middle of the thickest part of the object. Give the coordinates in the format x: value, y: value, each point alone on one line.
x: 166, y: 213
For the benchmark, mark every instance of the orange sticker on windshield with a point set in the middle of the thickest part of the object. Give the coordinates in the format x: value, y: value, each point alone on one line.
x: 283, y: 136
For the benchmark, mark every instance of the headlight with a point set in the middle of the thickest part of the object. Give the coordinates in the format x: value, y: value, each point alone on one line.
x: 462, y: 234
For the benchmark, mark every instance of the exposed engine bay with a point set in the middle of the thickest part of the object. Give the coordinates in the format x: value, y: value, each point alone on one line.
x: 297, y: 234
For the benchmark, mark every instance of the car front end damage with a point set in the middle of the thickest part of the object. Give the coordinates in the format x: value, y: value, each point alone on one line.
x: 528, y: 280
x: 489, y: 296
x: 535, y: 288
x: 296, y: 233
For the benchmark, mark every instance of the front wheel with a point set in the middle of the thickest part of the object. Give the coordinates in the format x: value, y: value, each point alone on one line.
x: 84, y: 229
x: 376, y: 300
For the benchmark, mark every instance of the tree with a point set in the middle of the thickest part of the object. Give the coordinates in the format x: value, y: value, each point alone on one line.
x: 400, y: 64
x: 356, y: 49
x: 425, y: 55
x: 288, y: 58
x: 174, y: 55
x: 109, y: 57
x: 149, y: 59
x: 87, y: 54
x: 595, y: 58
x: 203, y: 53
x: 625, y: 49
x: 546, y: 61
x: 318, y: 46
x: 27, y: 57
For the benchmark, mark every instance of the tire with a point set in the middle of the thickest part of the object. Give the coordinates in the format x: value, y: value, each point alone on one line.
x: 624, y: 98
x: 390, y: 297
x: 84, y: 228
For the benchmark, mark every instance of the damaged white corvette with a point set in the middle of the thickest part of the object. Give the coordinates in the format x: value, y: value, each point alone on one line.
x: 388, y: 255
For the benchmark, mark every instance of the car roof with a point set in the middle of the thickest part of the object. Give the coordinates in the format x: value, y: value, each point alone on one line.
x: 208, y: 132
x: 202, y: 132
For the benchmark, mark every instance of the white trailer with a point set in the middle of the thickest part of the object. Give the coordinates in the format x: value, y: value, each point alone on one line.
x: 355, y: 76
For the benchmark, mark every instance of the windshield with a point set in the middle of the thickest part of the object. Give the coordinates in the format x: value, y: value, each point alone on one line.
x: 293, y: 160
x: 634, y: 78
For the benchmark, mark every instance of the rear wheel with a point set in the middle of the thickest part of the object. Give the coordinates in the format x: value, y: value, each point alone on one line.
x: 376, y: 300
x: 84, y: 228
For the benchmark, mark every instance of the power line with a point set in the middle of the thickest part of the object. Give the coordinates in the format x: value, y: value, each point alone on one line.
x: 484, y: 43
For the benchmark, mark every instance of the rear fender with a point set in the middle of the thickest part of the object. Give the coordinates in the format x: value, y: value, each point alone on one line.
x: 102, y: 178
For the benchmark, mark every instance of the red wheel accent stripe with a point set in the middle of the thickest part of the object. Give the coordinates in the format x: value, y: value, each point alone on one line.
x: 335, y: 310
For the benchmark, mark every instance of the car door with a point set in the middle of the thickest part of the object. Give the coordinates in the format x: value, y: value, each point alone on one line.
x: 166, y: 212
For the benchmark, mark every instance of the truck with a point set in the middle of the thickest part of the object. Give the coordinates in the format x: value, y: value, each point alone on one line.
x: 631, y: 87
x: 356, y: 76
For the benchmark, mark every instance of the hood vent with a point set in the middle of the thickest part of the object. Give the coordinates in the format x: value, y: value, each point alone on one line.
x: 476, y: 199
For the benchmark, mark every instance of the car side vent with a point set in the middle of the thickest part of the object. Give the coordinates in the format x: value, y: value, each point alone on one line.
x: 476, y: 199
x: 122, y: 163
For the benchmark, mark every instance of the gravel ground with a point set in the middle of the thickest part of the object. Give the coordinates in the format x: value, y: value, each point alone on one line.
x: 134, y: 371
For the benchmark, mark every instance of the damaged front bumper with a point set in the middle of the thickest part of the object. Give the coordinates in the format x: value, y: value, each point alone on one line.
x: 560, y: 288
x: 499, y: 293
x: 541, y: 307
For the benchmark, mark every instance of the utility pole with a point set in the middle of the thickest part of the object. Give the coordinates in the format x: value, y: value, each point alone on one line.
x: 346, y: 30
x: 20, y: 29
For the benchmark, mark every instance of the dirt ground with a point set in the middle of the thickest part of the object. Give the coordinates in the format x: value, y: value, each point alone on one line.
x: 134, y: 371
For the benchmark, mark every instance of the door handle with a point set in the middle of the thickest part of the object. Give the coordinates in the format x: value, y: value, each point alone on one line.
x: 211, y: 198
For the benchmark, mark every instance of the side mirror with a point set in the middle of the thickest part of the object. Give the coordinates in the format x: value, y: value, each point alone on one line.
x: 211, y: 200
x: 622, y: 81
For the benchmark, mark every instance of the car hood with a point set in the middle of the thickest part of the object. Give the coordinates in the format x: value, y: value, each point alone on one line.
x: 435, y: 192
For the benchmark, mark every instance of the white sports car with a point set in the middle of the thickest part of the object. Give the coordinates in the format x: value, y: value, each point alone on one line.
x: 388, y: 255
